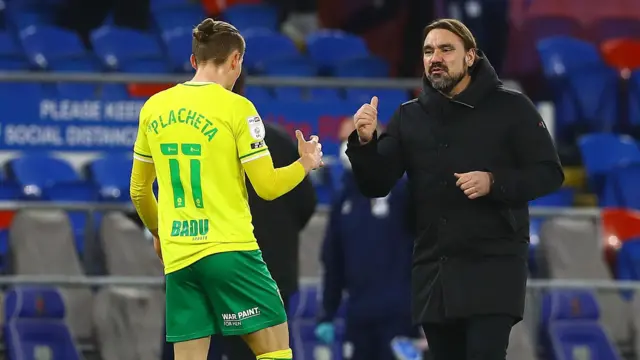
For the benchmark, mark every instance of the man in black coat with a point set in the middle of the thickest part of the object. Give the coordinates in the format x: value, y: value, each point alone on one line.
x: 475, y: 154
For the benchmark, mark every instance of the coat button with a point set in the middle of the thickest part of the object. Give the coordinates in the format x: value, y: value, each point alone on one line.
x: 443, y: 220
x: 443, y: 182
x: 443, y: 258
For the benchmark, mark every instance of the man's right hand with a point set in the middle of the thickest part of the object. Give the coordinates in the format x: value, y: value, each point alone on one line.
x: 310, y: 152
x: 366, y: 120
x: 325, y: 332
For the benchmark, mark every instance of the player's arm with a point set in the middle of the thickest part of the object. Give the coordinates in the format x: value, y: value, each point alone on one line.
x: 269, y: 182
x: 143, y: 175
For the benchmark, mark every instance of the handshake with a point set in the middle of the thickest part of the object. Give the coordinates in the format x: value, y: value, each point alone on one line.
x: 310, y: 152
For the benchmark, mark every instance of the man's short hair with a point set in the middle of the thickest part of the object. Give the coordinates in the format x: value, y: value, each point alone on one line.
x: 456, y: 27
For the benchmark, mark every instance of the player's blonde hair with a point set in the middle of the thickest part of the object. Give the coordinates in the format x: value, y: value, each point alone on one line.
x: 213, y: 41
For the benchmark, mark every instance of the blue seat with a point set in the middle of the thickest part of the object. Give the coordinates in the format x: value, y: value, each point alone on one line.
x: 34, y: 325
x: 169, y: 19
x: 49, y: 46
x: 594, y: 96
x: 37, y: 174
x: 111, y: 175
x: 570, y: 327
x: 362, y: 67
x: 564, y: 54
x: 11, y: 54
x: 252, y: 16
x: 126, y: 49
x: 178, y: 44
x: 24, y: 18
x: 265, y: 46
x: 292, y: 67
x: 621, y: 188
x: 620, y: 150
x: 329, y: 48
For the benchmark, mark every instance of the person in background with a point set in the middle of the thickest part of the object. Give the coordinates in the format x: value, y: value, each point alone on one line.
x: 277, y: 226
x: 367, y: 252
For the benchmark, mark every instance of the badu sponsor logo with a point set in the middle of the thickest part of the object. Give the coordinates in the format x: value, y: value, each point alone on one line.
x: 237, y: 318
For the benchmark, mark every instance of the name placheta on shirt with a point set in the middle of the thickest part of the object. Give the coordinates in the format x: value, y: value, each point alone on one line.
x: 256, y: 127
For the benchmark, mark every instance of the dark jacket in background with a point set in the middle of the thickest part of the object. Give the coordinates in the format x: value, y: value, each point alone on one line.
x: 367, y: 252
x: 277, y: 224
x: 470, y: 252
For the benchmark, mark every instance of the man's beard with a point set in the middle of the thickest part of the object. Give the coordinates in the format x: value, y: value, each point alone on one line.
x: 445, y: 82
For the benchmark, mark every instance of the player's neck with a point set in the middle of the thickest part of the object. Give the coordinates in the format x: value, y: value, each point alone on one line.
x: 204, y: 76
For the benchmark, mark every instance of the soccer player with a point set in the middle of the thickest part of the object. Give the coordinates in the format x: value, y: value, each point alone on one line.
x: 199, y: 139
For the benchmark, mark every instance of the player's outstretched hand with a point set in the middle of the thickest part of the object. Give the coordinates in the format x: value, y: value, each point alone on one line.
x: 310, y: 151
x: 366, y: 120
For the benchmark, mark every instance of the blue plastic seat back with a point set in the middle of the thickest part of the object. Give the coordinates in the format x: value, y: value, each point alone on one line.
x: 595, y: 95
x: 628, y: 260
x: 10, y: 47
x: 621, y: 188
x: 34, y: 325
x: 620, y: 150
x: 46, y: 45
x: 116, y: 46
x: 258, y: 93
x: 42, y: 172
x: 178, y: 44
x: 328, y: 48
x: 264, y: 45
x: 252, y: 16
x: 563, y: 54
x: 581, y: 340
x: 112, y: 174
x: 178, y: 17
x: 363, y: 67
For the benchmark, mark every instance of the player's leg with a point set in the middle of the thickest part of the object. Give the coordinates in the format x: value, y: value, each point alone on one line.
x: 247, y: 301
x: 190, y: 321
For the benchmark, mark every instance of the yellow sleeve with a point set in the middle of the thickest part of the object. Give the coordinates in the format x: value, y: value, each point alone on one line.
x: 143, y: 175
x: 269, y: 183
x: 141, y: 150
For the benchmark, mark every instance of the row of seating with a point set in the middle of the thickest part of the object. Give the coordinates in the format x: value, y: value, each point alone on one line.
x: 167, y: 47
x: 592, y: 92
x: 34, y: 327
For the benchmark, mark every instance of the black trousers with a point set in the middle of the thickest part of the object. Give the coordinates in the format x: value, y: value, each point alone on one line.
x: 476, y: 338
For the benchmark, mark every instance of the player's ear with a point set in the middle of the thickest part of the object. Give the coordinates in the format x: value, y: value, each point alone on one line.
x: 236, y: 60
x: 194, y: 64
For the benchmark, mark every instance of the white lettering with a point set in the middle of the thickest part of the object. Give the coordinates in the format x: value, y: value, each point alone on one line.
x: 100, y: 136
x: 70, y: 110
x: 122, y: 110
x: 32, y: 135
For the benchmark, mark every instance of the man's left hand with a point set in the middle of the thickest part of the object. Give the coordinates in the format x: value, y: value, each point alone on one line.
x: 474, y: 184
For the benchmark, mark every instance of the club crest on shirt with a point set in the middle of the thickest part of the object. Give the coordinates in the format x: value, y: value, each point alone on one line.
x: 257, y: 145
x: 256, y: 127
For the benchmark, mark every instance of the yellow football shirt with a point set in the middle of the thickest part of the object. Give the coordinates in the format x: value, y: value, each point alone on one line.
x: 197, y: 135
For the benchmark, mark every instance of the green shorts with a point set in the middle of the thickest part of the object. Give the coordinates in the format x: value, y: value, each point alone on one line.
x: 230, y: 293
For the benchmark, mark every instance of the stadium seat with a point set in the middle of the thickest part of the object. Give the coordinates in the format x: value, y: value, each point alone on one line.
x: 621, y: 188
x: 169, y: 19
x: 178, y: 44
x: 628, y: 263
x: 49, y: 47
x: 128, y: 50
x: 11, y: 55
x: 622, y: 54
x: 258, y: 94
x: 24, y: 18
x: 252, y: 16
x: 328, y: 48
x: 38, y: 173
x: 594, y: 94
x: 362, y: 67
x: 111, y: 175
x: 35, y: 327
x: 571, y: 329
x: 563, y: 54
x: 621, y: 150
x: 265, y: 46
